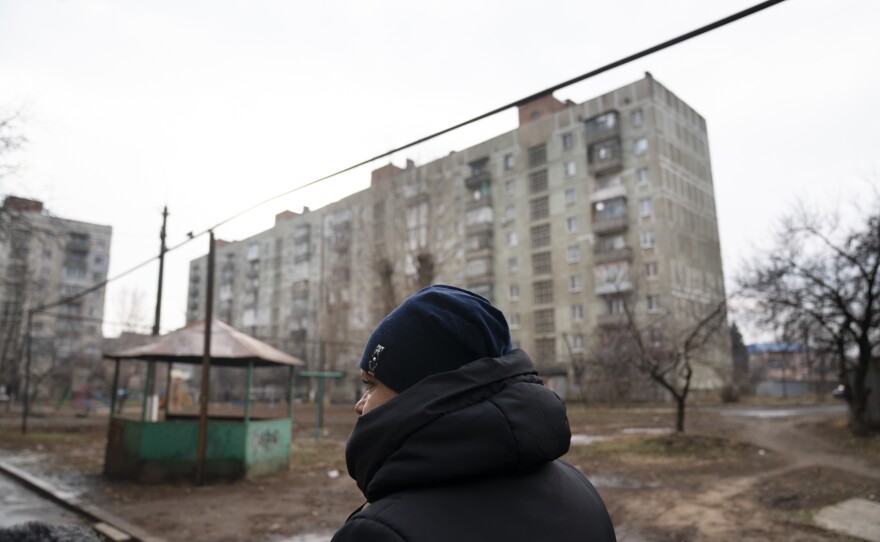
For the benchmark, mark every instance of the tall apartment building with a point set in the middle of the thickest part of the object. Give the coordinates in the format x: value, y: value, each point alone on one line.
x: 42, y: 259
x: 583, y: 210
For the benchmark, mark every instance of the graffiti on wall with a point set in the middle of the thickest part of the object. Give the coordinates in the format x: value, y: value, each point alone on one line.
x: 264, y: 441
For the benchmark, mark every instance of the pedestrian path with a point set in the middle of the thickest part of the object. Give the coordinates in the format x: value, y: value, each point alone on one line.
x: 110, y: 525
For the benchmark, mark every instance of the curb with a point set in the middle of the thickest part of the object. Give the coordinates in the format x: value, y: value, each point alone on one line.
x: 78, y: 505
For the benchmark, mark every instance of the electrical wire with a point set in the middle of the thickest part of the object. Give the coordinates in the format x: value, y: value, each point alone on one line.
x: 549, y: 90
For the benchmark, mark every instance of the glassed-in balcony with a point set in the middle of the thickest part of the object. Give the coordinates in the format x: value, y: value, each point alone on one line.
x: 610, y: 216
x: 601, y: 127
x: 604, y: 157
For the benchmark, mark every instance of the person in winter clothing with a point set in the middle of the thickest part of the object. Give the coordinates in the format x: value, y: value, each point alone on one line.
x: 457, y: 438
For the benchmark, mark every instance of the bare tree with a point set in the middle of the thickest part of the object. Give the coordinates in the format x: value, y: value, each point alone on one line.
x: 669, y: 350
x: 11, y: 140
x: 821, y: 274
x: 131, y: 310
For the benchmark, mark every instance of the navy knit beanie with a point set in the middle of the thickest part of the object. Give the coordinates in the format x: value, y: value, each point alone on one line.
x: 438, y: 329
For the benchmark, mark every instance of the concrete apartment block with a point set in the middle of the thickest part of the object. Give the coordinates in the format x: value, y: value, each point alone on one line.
x: 42, y: 259
x: 582, y: 208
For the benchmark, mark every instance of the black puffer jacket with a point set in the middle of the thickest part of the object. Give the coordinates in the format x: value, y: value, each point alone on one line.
x: 471, y: 455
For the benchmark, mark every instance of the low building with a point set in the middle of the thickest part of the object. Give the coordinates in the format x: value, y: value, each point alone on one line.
x: 790, y: 370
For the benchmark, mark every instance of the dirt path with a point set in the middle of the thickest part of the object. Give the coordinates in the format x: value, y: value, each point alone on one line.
x: 789, y: 437
x: 731, y: 508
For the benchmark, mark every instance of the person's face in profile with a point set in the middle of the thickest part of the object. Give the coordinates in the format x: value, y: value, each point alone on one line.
x: 376, y: 394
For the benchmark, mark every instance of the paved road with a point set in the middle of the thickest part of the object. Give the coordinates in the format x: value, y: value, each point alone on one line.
x: 19, y: 504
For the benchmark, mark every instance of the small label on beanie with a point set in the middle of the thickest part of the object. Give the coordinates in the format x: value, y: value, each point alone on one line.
x: 374, y: 361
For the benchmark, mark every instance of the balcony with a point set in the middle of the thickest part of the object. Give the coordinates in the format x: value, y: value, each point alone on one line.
x: 602, y: 127
x: 611, y: 320
x: 482, y: 201
x: 612, y: 288
x: 604, y: 158
x: 610, y: 225
x: 477, y: 180
x: 604, y: 256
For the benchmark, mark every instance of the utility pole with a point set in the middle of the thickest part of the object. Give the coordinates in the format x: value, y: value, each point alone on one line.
x: 151, y: 368
x: 202, y: 447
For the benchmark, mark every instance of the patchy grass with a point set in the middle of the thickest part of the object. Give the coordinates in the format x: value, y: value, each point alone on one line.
x: 837, y: 431
x: 687, y: 446
x: 308, y: 455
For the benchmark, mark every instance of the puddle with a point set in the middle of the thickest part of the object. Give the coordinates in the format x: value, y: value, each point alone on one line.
x: 67, y: 484
x: 583, y: 440
x: 18, y: 505
x: 646, y: 431
x: 766, y: 413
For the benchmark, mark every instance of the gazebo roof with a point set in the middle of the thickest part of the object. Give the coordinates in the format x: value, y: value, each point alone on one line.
x: 229, y: 348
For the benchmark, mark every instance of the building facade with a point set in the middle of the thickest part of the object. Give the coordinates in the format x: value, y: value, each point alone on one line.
x: 584, y: 212
x: 44, y: 258
x: 791, y: 370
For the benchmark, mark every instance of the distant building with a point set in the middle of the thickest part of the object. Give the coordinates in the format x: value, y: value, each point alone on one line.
x: 790, y: 370
x: 580, y: 211
x: 42, y: 259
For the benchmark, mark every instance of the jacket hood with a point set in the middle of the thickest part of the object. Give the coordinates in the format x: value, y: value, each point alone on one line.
x: 491, y: 417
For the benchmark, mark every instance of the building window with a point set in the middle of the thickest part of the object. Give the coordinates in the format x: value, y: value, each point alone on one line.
x: 575, y: 283
x: 609, y: 209
x: 577, y: 313
x: 476, y: 268
x: 636, y: 118
x: 615, y: 305
x: 544, y: 321
x: 649, y: 240
x: 509, y: 187
x: 653, y: 303
x: 47, y: 254
x: 540, y: 236
x: 640, y: 147
x: 646, y: 207
x: 600, y: 123
x: 513, y: 292
x: 541, y: 263
x: 543, y: 291
x: 573, y: 254
x: 538, y: 155
x: 512, y: 265
x: 483, y: 215
x: 545, y: 350
x: 509, y: 214
x: 513, y: 320
x: 577, y: 343
x: 538, y: 181
x: 539, y: 208
x: 643, y: 175
x: 606, y: 150
x: 571, y: 224
x: 570, y: 196
x: 655, y: 336
x: 508, y: 162
x: 570, y: 168
x: 97, y: 277
x: 610, y: 243
x: 567, y: 141
x: 608, y: 182
x: 512, y: 239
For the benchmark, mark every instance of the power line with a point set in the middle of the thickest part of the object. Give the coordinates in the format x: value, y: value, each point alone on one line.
x: 549, y: 90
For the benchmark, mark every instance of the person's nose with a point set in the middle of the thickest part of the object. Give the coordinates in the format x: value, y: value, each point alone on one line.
x: 359, y: 406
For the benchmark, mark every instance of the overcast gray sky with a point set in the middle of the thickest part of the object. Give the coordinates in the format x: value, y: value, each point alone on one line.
x: 210, y: 106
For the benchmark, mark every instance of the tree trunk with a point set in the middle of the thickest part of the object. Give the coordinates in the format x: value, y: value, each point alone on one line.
x: 679, y: 414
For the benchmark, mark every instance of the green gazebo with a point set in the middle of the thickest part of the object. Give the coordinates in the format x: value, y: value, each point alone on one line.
x: 234, y: 445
